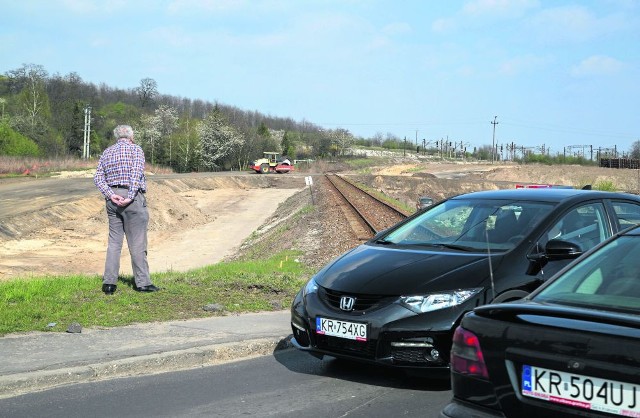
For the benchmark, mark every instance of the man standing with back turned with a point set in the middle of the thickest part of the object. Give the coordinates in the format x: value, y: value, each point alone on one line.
x: 120, y: 179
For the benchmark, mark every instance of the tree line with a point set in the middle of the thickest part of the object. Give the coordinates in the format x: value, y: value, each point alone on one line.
x: 43, y: 115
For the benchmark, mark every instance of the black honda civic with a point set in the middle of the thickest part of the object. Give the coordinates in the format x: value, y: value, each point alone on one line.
x: 396, y: 299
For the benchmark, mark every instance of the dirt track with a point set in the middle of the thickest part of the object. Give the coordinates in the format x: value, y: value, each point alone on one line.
x: 58, y: 226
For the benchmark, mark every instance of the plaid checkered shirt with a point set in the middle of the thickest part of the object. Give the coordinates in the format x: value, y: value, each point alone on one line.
x: 121, y: 164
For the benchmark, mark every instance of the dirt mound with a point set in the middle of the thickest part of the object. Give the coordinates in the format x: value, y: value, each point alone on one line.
x: 194, y: 221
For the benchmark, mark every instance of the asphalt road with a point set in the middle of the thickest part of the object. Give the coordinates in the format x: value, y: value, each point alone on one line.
x: 287, y: 384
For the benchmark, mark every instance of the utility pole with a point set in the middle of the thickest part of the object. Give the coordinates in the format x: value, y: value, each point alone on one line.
x: 87, y: 132
x: 493, y: 146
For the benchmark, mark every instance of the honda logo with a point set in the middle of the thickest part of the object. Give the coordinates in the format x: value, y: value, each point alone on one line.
x: 347, y: 303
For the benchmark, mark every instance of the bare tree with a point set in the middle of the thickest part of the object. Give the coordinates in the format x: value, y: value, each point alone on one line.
x: 147, y: 90
x: 635, y: 150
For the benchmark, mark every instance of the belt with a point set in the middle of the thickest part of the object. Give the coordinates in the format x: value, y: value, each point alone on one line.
x: 122, y: 186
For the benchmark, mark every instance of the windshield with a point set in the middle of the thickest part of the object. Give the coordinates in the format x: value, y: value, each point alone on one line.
x: 608, y: 279
x: 472, y: 225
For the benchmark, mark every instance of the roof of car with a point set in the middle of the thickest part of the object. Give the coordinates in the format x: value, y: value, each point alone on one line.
x: 546, y: 194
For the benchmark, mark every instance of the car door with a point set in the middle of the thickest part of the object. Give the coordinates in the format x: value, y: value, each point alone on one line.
x: 585, y: 225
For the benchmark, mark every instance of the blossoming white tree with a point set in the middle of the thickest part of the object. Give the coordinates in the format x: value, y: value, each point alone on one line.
x: 217, y: 139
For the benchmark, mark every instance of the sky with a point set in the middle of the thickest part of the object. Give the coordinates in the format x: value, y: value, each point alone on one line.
x: 558, y: 74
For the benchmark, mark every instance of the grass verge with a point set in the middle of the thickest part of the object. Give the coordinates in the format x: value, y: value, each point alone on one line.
x: 53, y: 303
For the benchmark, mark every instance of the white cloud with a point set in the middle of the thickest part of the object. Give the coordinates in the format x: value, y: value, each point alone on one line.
x: 477, y: 13
x: 84, y: 7
x: 597, y: 65
x: 396, y: 28
x: 522, y: 64
x: 466, y: 71
x: 444, y: 25
x: 499, y: 8
x: 578, y: 24
x: 197, y: 6
x: 171, y: 36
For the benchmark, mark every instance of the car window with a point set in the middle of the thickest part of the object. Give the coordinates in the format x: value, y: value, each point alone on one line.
x: 627, y: 213
x: 608, y: 279
x: 583, y: 225
x: 474, y: 224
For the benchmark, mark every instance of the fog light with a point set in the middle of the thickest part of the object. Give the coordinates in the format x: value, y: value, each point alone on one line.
x: 432, y: 355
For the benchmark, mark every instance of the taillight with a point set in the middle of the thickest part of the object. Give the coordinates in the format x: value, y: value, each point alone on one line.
x: 466, y: 354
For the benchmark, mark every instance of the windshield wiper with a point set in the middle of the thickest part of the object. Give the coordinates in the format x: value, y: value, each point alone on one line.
x: 444, y: 245
x: 383, y: 241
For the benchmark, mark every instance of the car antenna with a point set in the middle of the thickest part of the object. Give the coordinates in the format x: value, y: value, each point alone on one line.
x: 493, y: 288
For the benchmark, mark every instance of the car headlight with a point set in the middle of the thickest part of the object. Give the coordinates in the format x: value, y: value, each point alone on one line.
x: 435, y: 301
x: 310, y: 287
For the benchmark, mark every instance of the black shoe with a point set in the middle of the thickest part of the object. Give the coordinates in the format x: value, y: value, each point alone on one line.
x: 149, y: 288
x: 108, y: 289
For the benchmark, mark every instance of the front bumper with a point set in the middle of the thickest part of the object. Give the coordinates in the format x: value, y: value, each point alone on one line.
x: 397, y: 336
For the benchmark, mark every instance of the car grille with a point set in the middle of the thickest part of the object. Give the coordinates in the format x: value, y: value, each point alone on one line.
x: 413, y: 355
x: 363, y: 302
x: 340, y: 345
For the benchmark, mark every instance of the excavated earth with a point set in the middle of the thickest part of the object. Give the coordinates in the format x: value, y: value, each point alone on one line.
x: 202, y: 219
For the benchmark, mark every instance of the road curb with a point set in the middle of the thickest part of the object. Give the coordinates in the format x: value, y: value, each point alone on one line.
x: 21, y: 383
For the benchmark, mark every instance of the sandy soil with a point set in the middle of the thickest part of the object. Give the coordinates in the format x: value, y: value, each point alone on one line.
x: 187, y: 230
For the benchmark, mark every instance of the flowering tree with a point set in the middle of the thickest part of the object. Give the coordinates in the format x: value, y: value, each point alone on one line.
x: 217, y: 139
x: 156, y: 130
x: 341, y: 140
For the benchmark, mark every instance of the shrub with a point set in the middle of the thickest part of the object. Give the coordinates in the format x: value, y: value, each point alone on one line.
x: 605, y: 185
x: 15, y: 144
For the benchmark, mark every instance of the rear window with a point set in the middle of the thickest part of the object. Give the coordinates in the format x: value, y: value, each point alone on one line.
x: 628, y: 214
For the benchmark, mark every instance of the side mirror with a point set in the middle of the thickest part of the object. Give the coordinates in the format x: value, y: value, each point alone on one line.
x: 562, y: 250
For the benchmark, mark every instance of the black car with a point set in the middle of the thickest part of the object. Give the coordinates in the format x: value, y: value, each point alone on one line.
x: 571, y: 348
x: 423, y: 202
x: 397, y: 298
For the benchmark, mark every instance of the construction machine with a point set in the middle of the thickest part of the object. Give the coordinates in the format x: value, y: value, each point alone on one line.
x: 272, y: 162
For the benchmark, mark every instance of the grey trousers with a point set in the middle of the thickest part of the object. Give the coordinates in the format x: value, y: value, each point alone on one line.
x: 130, y: 221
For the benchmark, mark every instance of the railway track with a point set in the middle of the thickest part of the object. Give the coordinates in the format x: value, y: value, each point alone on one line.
x: 365, y: 212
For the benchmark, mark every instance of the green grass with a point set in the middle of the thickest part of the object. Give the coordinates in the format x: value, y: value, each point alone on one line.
x: 383, y: 197
x: 605, y: 185
x: 36, y: 303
